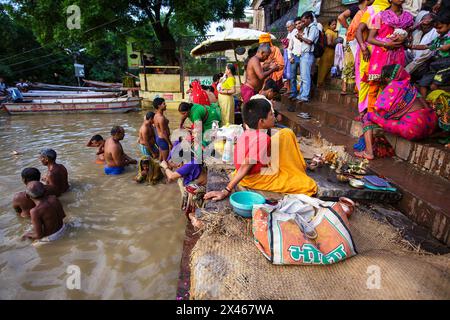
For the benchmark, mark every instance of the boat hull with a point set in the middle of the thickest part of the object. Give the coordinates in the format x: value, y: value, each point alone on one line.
x: 73, y: 107
x: 67, y: 95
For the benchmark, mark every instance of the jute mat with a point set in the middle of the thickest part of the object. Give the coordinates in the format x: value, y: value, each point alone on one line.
x: 225, y: 264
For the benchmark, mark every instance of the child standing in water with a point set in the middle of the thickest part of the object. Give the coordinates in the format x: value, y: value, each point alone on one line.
x: 144, y: 168
x: 149, y: 171
x: 162, y: 129
x: 97, y: 141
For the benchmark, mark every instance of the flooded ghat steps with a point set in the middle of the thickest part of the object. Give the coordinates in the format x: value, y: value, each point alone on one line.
x: 421, y: 170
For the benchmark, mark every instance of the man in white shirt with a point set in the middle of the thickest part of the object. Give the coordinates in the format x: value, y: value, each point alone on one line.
x: 292, y: 31
x: 294, y: 53
x: 290, y: 26
x: 22, y: 85
x: 413, y: 6
x: 309, y: 36
x: 422, y: 36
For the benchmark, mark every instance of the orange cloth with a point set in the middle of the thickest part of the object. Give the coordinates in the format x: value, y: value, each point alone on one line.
x: 265, y: 37
x: 351, y: 31
x: 287, y: 169
x: 276, y: 57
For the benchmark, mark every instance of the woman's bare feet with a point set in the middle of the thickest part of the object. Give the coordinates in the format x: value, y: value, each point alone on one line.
x: 364, y: 155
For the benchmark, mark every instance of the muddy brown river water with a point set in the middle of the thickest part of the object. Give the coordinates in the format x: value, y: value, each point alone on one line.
x: 126, y: 239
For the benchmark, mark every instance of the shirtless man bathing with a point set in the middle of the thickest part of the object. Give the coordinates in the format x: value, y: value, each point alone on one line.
x: 147, y: 141
x: 162, y: 129
x: 115, y: 158
x: 97, y: 141
x: 21, y: 203
x: 254, y: 74
x: 56, y: 178
x: 46, y: 216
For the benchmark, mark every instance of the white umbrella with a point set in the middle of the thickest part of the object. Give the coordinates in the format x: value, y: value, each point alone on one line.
x: 231, y: 39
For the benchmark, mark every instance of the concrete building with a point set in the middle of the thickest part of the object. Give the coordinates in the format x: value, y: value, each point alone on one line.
x: 272, y: 15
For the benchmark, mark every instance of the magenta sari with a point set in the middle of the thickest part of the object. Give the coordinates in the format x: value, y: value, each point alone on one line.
x: 393, y: 109
x: 386, y: 22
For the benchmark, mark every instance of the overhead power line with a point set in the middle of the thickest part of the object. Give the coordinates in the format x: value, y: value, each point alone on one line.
x: 53, y: 42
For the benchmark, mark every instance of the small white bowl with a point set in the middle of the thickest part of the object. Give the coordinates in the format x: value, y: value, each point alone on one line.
x: 355, y: 183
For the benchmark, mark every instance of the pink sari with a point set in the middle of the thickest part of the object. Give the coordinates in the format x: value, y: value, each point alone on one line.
x: 361, y: 66
x: 386, y: 22
x: 393, y: 108
x: 397, y: 97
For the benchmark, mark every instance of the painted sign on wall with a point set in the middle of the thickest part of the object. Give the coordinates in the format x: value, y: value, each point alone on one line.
x: 309, y: 5
x: 204, y: 81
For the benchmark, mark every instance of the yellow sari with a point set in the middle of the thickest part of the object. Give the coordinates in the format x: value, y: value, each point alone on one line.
x: 327, y: 59
x: 287, y: 170
x: 226, y: 102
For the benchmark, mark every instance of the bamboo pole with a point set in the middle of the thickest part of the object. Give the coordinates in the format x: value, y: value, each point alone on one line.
x: 237, y: 61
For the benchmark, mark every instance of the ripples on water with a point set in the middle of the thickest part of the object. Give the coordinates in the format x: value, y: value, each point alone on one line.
x: 128, y: 237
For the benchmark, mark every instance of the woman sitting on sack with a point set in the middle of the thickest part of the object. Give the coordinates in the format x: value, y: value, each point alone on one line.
x: 262, y: 162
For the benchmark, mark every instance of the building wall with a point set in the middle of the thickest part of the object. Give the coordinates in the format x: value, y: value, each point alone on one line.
x: 330, y: 9
x: 258, y: 15
x: 280, y: 24
x: 258, y: 19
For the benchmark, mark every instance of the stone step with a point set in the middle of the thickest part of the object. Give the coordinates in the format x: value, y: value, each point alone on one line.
x: 425, y: 155
x: 424, y: 196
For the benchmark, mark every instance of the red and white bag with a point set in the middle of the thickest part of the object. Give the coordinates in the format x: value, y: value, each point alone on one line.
x: 303, y: 230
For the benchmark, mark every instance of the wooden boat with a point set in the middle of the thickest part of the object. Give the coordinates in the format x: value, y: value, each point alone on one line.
x: 68, y: 94
x: 90, y: 105
x: 46, y: 86
x: 101, y: 84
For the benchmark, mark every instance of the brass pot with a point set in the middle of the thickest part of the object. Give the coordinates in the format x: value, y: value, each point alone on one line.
x: 347, y: 205
x: 342, y: 178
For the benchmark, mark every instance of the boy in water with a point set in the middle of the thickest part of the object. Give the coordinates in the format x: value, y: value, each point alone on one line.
x: 143, y: 172
x: 162, y: 129
x: 21, y: 203
x: 56, y: 178
x: 147, y: 142
x: 149, y: 171
x: 47, y: 215
x: 97, y: 141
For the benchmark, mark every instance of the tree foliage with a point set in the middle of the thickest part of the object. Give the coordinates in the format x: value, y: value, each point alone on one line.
x: 105, y: 25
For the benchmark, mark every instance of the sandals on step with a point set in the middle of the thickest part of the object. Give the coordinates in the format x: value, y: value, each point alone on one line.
x: 304, y: 115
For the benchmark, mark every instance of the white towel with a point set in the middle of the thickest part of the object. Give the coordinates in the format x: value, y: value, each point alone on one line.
x: 339, y: 56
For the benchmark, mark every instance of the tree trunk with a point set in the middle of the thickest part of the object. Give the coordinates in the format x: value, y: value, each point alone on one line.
x: 168, y: 44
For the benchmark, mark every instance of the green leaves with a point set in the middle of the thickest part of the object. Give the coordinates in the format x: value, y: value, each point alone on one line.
x: 159, y: 25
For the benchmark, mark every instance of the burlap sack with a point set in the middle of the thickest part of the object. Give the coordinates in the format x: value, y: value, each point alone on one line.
x: 225, y: 264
